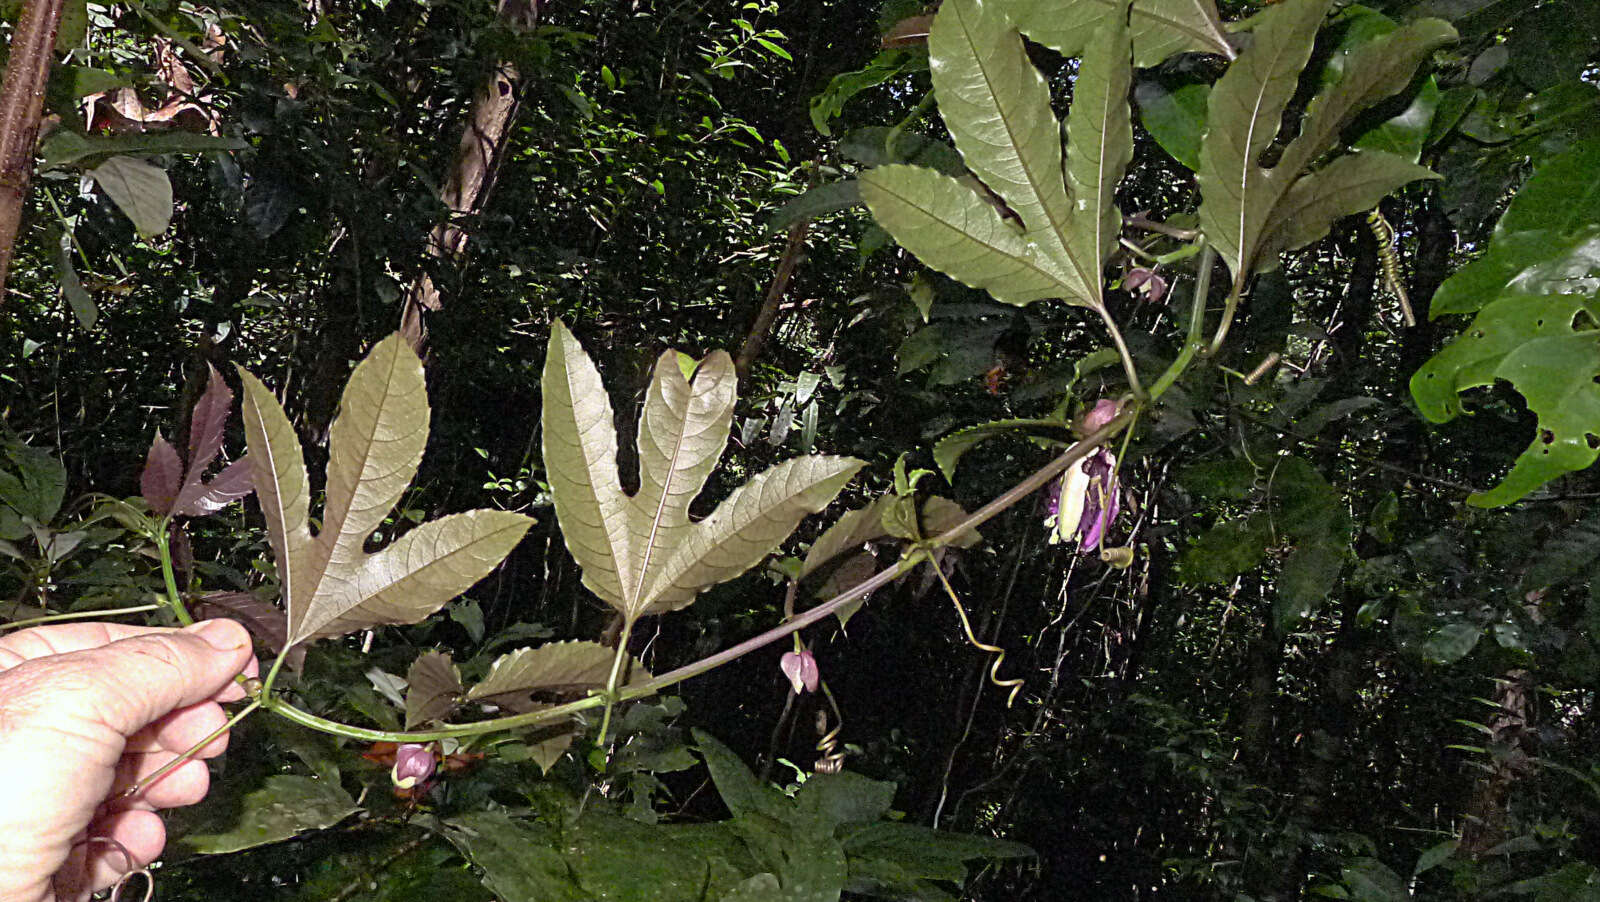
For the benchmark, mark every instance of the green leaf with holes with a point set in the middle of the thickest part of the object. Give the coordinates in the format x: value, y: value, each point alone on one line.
x: 1548, y: 348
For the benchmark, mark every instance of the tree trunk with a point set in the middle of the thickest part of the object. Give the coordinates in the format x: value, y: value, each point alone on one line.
x: 21, y: 100
x: 472, y: 173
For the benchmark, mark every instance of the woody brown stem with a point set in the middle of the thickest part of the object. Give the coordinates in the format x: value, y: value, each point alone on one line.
x: 21, y: 100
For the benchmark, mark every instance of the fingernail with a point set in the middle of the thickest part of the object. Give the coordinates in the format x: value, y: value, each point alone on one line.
x: 219, y: 634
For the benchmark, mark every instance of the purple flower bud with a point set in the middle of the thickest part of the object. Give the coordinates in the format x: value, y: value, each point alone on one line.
x: 1147, y: 282
x: 801, y: 669
x: 1103, y: 412
x: 412, y: 764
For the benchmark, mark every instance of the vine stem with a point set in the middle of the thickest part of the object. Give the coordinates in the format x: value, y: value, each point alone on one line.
x: 79, y: 615
x: 1122, y: 351
x: 189, y: 754
x: 174, y: 601
x: 1197, y: 324
x: 616, y: 676
x: 977, y: 518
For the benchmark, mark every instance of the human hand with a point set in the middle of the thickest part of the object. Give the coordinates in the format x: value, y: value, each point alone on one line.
x: 86, y: 711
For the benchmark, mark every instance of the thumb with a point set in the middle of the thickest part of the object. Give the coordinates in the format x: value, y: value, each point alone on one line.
x: 135, y: 681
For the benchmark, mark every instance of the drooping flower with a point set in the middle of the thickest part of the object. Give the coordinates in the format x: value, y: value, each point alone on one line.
x: 1103, y: 412
x: 801, y: 669
x: 1084, y: 501
x: 1146, y: 282
x: 412, y: 765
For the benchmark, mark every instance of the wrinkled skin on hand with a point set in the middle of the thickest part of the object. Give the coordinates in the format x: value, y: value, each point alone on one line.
x: 86, y: 711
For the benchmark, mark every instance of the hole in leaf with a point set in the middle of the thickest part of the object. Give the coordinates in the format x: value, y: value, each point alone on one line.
x: 1477, y: 333
x: 1593, y: 440
x: 1547, y: 436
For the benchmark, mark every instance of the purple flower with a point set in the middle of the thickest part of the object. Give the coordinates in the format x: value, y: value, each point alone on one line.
x: 412, y: 764
x: 1088, y: 500
x: 801, y: 669
x: 1103, y: 412
x: 1147, y: 282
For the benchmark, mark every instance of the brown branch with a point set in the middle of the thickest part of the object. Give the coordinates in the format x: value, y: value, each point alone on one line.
x: 472, y: 173
x: 757, y: 339
x: 21, y: 100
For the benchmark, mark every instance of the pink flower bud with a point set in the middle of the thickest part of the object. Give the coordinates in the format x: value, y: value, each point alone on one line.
x: 1103, y: 412
x: 412, y: 765
x: 801, y: 669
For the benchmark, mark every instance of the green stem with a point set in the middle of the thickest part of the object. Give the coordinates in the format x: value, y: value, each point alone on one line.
x: 168, y: 768
x: 1122, y: 351
x: 1197, y: 324
x: 616, y: 675
x: 79, y: 615
x: 977, y: 518
x: 174, y: 601
x: 1229, y: 308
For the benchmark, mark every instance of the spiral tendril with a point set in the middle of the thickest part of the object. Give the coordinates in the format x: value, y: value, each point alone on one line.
x: 1015, y: 683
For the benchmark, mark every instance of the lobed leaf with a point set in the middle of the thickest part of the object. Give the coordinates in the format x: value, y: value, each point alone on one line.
x: 1244, y: 113
x: 557, y: 668
x: 1099, y: 148
x: 1547, y: 348
x: 642, y: 553
x: 330, y: 584
x: 433, y: 689
x: 997, y: 108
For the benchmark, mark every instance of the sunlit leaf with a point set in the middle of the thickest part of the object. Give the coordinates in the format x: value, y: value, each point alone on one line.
x: 1175, y: 116
x: 997, y: 108
x: 1244, y: 112
x: 140, y: 190
x: 642, y: 553
x: 1548, y: 348
x: 1099, y: 147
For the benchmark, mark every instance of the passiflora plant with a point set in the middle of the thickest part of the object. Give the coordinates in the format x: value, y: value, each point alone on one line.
x: 641, y: 553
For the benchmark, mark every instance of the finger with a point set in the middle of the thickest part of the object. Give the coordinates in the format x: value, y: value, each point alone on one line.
x: 65, y: 638
x: 185, y: 784
x: 99, y: 863
x: 179, y: 731
x: 131, y: 682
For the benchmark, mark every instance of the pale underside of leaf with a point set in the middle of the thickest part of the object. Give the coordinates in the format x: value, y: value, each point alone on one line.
x: 1159, y: 28
x: 1350, y: 184
x: 580, y: 452
x: 950, y: 228
x: 279, y: 474
x: 1099, y: 147
x: 1245, y: 112
x: 997, y: 108
x: 416, y: 575
x: 682, y: 432
x: 747, y: 525
x: 374, y: 447
x: 234, y: 482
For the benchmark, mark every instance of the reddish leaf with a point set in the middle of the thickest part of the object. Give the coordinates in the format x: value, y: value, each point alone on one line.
x: 206, y: 425
x: 911, y: 31
x: 263, y: 619
x: 162, y: 471
x: 233, y: 483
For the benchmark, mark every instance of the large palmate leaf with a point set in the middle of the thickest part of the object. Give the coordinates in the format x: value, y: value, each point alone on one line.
x: 642, y: 553
x: 1160, y: 28
x: 330, y: 584
x: 1242, y: 209
x: 997, y: 109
